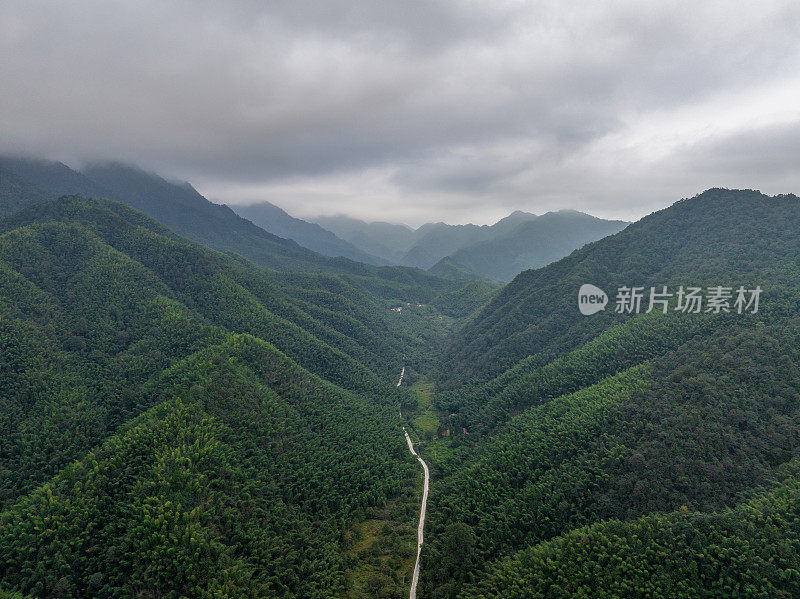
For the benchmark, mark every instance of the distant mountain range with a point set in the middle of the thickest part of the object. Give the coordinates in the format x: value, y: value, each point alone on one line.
x: 277, y: 221
x: 178, y: 206
x: 534, y: 244
x: 269, y: 236
x: 497, y: 252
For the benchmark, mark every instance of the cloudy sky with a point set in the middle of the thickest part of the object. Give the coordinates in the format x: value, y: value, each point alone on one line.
x: 413, y: 111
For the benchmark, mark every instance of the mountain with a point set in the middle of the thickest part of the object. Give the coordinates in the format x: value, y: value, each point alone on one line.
x: 387, y: 240
x: 422, y: 247
x: 497, y: 252
x: 181, y: 421
x: 691, y: 242
x: 643, y: 453
x: 177, y: 205
x: 533, y: 244
x: 448, y: 268
x: 16, y: 193
x: 276, y: 221
x: 434, y: 241
x: 53, y: 178
x: 182, y: 209
x: 177, y: 420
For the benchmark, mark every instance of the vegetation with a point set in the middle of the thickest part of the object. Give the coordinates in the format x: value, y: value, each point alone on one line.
x: 533, y: 244
x: 182, y: 209
x: 183, y: 422
x: 150, y: 447
x: 752, y: 550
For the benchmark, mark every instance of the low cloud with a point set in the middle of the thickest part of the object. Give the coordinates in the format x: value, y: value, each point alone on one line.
x: 413, y: 111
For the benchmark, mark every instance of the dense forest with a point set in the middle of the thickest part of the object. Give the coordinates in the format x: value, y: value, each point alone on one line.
x: 186, y: 415
x: 210, y: 427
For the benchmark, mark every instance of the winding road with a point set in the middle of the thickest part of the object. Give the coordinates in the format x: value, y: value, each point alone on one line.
x: 415, y: 577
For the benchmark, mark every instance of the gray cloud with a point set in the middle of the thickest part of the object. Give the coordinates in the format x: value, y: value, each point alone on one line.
x: 413, y: 110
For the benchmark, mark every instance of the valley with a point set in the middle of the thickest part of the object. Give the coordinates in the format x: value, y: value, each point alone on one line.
x: 399, y: 300
x: 221, y: 428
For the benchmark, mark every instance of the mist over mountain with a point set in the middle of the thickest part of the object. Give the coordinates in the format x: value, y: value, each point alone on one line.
x: 496, y: 252
x: 387, y: 240
x: 534, y: 244
x: 180, y: 207
x: 276, y: 221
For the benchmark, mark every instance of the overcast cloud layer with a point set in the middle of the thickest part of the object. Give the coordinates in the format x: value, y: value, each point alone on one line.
x: 413, y: 111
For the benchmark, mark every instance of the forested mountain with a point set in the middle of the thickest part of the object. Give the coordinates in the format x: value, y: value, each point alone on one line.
x: 387, y: 240
x: 533, y: 244
x: 422, y: 247
x: 717, y: 234
x: 16, y: 193
x: 450, y: 269
x: 180, y: 421
x: 434, y: 241
x: 310, y: 235
x: 181, y: 208
x: 649, y: 454
x: 495, y: 252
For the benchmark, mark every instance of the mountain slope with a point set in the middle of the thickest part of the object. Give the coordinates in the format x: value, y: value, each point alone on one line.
x: 238, y: 482
x: 387, y: 240
x: 752, y: 550
x: 185, y: 211
x: 16, y: 193
x: 276, y: 221
x: 741, y: 237
x: 616, y: 417
x: 534, y: 244
x: 151, y: 447
x: 434, y: 241
x: 178, y: 206
x: 448, y: 268
x: 325, y: 332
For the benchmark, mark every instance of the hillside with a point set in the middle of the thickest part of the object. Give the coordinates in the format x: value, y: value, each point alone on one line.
x: 448, y: 268
x: 387, y: 240
x: 214, y: 430
x: 276, y: 221
x: 533, y: 244
x: 613, y: 419
x: 740, y: 236
x: 182, y: 209
x: 434, y: 241
x: 750, y: 550
x: 16, y: 193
